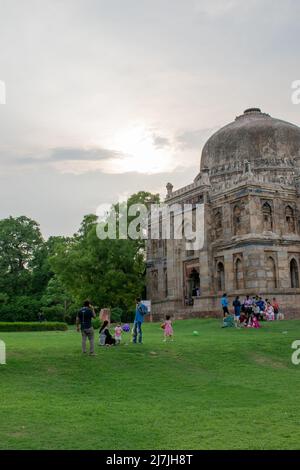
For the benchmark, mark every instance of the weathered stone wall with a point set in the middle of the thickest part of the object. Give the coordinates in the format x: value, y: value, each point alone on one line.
x: 251, y: 195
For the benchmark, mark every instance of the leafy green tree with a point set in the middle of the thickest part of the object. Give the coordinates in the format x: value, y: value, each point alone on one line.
x: 21, y: 244
x: 20, y: 240
x: 55, y: 301
x: 109, y: 272
x: 25, y: 270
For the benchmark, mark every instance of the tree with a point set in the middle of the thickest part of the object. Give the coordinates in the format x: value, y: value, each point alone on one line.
x: 55, y: 301
x: 20, y: 240
x: 24, y: 268
x: 109, y: 272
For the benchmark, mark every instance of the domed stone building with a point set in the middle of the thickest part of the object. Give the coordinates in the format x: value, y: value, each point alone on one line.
x: 249, y: 184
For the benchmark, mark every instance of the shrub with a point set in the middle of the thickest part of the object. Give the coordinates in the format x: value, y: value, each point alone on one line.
x: 128, y: 317
x: 54, y: 313
x: 72, y: 312
x: 116, y: 315
x: 21, y: 309
x: 96, y: 323
x: 32, y: 326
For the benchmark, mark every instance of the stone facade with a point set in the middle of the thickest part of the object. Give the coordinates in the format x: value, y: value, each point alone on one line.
x: 249, y: 184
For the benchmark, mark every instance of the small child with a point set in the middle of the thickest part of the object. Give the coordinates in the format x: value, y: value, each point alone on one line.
x: 118, y: 333
x: 255, y: 322
x: 269, y: 312
x: 168, y: 329
x: 243, y: 319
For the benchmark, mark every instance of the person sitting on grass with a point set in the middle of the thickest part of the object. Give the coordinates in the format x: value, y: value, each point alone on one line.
x: 253, y: 321
x: 243, y: 319
x: 269, y: 312
x: 256, y: 310
x: 261, y: 304
x: 228, y: 321
x: 106, y: 338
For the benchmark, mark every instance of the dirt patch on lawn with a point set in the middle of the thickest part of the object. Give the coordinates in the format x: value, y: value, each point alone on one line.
x: 18, y: 434
x: 267, y: 361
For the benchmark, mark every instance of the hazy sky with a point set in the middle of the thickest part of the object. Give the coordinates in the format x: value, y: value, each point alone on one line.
x: 108, y: 97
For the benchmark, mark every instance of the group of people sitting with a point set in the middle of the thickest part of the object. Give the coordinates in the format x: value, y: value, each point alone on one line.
x: 250, y: 312
x: 105, y: 336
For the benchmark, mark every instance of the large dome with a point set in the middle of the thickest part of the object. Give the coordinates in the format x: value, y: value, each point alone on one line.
x: 254, y: 137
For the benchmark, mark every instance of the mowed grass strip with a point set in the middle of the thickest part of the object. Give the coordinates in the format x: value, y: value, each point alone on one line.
x: 223, y: 389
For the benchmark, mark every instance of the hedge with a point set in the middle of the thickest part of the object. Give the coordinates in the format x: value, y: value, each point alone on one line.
x: 33, y: 326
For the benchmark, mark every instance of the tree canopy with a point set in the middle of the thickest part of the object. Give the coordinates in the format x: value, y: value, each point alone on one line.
x: 53, y: 277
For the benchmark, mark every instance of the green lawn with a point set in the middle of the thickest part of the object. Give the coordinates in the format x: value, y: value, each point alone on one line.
x: 225, y: 388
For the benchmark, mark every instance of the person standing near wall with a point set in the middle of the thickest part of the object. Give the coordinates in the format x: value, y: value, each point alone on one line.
x: 224, y: 304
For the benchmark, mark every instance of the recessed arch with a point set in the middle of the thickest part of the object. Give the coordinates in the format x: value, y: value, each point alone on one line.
x: 271, y: 273
x: 267, y: 216
x: 220, y: 276
x: 238, y: 273
x: 294, y: 274
x: 290, y: 219
x: 166, y: 282
x: 237, y: 215
x: 155, y: 281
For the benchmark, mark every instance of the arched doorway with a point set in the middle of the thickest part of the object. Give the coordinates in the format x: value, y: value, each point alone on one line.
x: 294, y: 274
x: 239, y: 274
x: 193, y: 283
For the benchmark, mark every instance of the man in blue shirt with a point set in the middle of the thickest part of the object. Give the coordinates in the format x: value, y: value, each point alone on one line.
x: 224, y: 303
x: 140, y: 312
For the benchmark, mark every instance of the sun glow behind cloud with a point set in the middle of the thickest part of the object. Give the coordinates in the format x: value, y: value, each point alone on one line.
x: 140, y: 153
x: 136, y: 149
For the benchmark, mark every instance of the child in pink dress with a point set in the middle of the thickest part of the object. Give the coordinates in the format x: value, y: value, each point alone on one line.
x: 269, y: 312
x: 118, y: 333
x: 168, y: 329
x: 255, y: 322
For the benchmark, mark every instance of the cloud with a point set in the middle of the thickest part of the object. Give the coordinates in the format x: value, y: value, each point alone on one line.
x: 215, y: 8
x: 194, y: 139
x: 96, y: 154
x: 78, y: 74
x: 160, y: 141
x: 61, y: 155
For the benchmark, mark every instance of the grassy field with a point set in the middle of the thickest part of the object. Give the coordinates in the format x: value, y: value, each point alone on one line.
x: 223, y: 389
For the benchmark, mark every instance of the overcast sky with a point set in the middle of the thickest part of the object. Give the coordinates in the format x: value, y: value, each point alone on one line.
x: 108, y: 97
